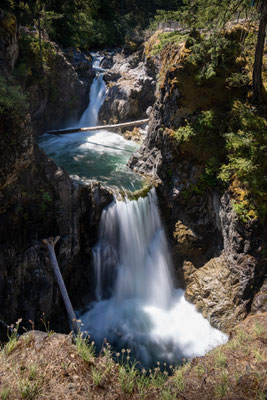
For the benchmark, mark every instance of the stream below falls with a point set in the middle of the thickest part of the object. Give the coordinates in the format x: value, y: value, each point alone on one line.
x: 137, y: 306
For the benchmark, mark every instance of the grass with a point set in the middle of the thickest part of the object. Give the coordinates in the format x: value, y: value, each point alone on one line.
x: 199, y: 369
x: 32, y: 372
x: 259, y: 330
x: 5, y: 392
x: 222, y: 388
x: 179, y: 380
x: 226, y: 372
x: 12, y: 338
x: 28, y: 390
x: 220, y: 359
x: 85, y: 348
x: 127, y: 377
x: 97, y: 376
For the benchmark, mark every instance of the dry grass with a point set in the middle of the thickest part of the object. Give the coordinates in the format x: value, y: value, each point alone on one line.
x: 42, y: 366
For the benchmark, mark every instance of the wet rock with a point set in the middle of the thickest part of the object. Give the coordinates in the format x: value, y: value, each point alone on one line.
x: 107, y: 62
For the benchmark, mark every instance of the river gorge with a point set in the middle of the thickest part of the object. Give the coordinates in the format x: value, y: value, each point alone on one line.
x: 137, y: 305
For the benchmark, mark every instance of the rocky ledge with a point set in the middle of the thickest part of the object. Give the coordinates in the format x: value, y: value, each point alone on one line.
x: 130, y: 89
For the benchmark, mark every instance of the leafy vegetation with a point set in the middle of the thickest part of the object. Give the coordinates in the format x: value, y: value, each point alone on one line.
x: 211, y: 55
x: 240, y: 145
x: 13, y: 101
x: 88, y: 24
x: 223, y: 131
x: 163, y: 39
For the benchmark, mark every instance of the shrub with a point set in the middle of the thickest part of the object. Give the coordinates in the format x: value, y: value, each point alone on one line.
x: 13, y: 101
x: 212, y: 55
x: 237, y: 80
x: 246, y: 147
x: 166, y: 38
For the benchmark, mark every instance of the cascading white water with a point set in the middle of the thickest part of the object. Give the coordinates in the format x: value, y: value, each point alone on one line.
x: 96, y: 96
x: 137, y: 305
x: 100, y: 155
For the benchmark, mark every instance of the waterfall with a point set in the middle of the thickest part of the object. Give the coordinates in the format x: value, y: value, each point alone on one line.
x: 137, y: 305
x: 100, y: 155
x: 96, y: 96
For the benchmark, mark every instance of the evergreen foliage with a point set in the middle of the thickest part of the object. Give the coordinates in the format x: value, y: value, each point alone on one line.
x: 87, y: 24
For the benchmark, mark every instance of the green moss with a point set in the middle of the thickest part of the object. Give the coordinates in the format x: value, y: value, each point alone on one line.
x: 166, y: 38
x: 139, y: 193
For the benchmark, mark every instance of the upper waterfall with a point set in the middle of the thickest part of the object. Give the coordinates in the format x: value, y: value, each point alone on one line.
x: 100, y: 155
x: 96, y: 96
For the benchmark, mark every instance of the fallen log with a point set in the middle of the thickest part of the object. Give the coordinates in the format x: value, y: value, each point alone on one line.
x: 50, y: 244
x: 97, y: 128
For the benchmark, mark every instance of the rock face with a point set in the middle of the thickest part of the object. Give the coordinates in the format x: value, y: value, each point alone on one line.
x: 218, y: 259
x: 130, y: 90
x: 61, y: 97
x: 39, y: 200
x: 9, y: 46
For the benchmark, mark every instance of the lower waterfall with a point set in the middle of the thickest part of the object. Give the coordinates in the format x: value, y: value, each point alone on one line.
x: 137, y: 305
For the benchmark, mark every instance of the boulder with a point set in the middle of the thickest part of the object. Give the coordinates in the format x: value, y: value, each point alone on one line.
x: 211, y: 289
x: 130, y: 90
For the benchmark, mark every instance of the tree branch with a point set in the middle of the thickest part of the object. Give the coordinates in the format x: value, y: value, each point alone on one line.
x: 50, y: 244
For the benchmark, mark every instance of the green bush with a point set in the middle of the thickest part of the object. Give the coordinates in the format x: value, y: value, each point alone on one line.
x: 246, y: 146
x: 202, y: 135
x: 212, y: 55
x: 237, y: 80
x: 231, y: 150
x: 13, y: 101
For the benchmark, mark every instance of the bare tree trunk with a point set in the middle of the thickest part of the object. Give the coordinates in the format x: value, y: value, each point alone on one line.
x: 257, y: 78
x: 40, y: 43
x: 50, y: 244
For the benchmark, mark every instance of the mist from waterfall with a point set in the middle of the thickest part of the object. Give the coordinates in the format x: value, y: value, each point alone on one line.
x: 137, y: 306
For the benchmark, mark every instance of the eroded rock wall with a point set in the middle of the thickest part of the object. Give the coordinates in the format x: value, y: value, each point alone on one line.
x: 59, y: 99
x: 39, y: 200
x: 218, y: 259
x: 130, y: 89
